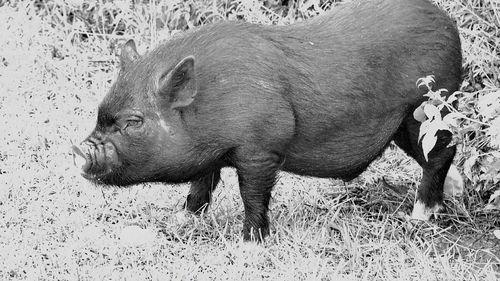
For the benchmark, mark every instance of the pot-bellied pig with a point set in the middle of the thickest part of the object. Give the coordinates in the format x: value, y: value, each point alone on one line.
x: 320, y: 98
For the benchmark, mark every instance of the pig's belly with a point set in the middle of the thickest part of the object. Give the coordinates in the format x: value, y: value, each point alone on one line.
x: 343, y: 155
x: 324, y: 162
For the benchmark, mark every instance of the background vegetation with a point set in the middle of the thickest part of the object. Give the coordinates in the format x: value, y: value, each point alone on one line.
x: 58, y: 59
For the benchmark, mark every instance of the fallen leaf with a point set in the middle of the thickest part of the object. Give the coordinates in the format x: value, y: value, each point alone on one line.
x: 182, y: 217
x: 90, y: 233
x: 133, y: 235
x: 76, y: 218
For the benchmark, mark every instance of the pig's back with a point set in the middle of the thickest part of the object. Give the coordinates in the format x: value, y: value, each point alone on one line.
x: 331, y: 91
x: 352, y: 79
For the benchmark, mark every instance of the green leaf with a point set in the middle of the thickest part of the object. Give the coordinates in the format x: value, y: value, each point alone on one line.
x: 424, y: 128
x: 451, y: 118
x: 469, y: 163
x: 439, y: 125
x: 454, y: 183
x: 493, y: 168
x: 452, y: 98
x: 432, y: 111
x: 428, y: 131
x: 497, y: 233
x: 489, y: 104
x: 426, y: 81
x: 474, y: 127
x: 419, y: 114
x: 494, y: 132
x: 428, y: 143
x: 494, y: 201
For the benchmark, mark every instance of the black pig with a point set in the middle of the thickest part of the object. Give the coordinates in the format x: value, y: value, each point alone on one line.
x: 320, y: 98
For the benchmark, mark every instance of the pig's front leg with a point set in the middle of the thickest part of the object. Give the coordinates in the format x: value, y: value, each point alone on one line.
x: 200, y: 193
x: 257, y: 173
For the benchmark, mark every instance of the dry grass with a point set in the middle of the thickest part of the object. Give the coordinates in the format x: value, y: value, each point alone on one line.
x: 54, y: 225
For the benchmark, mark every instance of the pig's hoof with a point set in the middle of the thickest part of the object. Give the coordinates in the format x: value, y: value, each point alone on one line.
x: 255, y: 235
x: 423, y: 213
x: 195, y: 204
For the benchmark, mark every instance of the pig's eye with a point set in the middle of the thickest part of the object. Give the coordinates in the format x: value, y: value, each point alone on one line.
x: 134, y: 122
x: 129, y: 120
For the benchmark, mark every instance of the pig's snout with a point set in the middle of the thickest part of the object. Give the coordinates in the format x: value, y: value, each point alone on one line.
x: 80, y: 158
x: 96, y: 159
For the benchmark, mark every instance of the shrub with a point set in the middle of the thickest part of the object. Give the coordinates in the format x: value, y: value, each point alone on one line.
x: 475, y: 126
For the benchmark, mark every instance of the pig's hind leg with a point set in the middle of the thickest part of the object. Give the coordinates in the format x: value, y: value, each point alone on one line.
x: 200, y: 193
x: 430, y: 192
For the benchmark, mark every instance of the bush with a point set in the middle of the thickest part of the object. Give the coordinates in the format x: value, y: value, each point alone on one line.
x: 475, y: 126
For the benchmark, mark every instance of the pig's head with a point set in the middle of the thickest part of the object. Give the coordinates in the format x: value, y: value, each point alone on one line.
x: 140, y: 134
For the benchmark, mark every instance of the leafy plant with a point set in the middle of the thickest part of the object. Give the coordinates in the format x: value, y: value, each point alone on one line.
x: 475, y: 126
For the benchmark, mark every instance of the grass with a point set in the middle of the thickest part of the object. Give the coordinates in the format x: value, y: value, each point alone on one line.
x: 54, y: 225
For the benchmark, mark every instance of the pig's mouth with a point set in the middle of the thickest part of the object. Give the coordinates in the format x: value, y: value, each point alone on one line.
x: 96, y: 161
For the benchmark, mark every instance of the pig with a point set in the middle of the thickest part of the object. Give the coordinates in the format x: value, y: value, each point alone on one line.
x: 321, y: 98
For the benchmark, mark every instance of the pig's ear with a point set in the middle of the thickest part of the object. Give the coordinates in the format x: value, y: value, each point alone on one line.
x: 178, y: 86
x: 128, y: 53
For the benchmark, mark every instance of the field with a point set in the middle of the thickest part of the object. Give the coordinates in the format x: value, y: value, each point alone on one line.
x: 57, y: 61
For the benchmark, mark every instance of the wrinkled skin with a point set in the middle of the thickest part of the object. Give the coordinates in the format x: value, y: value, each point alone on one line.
x: 320, y: 98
